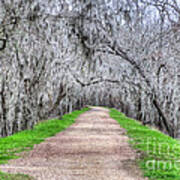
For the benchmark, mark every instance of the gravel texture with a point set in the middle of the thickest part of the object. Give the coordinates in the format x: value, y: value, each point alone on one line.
x: 93, y: 148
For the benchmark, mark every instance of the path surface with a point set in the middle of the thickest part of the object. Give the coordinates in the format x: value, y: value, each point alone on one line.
x: 94, y: 148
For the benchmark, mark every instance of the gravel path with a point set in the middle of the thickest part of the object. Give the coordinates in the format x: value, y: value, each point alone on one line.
x: 94, y: 148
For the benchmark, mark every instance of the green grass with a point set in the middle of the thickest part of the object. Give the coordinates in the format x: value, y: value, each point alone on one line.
x: 5, y: 176
x: 25, y: 140
x: 159, y: 153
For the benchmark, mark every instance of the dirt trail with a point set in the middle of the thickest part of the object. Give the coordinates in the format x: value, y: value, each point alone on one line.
x: 94, y: 148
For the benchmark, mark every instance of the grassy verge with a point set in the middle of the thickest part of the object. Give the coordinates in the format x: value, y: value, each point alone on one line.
x: 160, y: 154
x: 5, y: 176
x: 25, y: 140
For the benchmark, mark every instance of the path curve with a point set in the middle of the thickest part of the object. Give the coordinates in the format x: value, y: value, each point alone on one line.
x: 93, y: 148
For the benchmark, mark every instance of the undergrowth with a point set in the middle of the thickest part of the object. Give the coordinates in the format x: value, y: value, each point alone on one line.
x: 25, y: 140
x: 160, y: 154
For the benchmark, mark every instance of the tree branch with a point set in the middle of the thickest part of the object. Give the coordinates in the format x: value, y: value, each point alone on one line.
x: 3, y: 44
